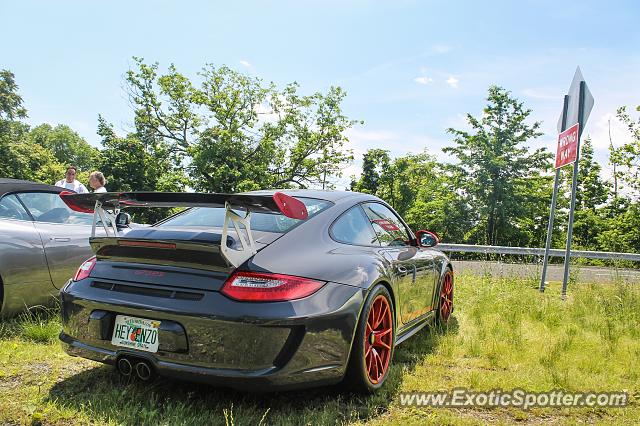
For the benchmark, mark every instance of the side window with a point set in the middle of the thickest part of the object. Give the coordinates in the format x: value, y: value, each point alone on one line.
x: 387, y: 226
x: 10, y: 208
x: 48, y: 207
x: 353, y: 228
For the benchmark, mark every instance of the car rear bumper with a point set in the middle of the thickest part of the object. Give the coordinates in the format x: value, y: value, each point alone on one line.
x: 248, y: 346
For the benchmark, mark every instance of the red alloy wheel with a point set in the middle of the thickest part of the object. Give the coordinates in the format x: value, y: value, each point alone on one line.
x: 446, y: 297
x: 378, y: 339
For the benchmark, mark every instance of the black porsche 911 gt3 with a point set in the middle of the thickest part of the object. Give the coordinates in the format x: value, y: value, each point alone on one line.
x: 261, y: 291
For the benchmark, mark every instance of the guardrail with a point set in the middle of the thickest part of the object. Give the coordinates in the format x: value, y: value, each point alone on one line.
x: 469, y: 248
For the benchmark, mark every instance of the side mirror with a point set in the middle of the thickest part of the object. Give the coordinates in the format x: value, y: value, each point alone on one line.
x: 427, y: 238
x: 123, y: 220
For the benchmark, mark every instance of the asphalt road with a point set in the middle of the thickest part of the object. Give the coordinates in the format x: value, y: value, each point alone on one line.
x: 586, y: 274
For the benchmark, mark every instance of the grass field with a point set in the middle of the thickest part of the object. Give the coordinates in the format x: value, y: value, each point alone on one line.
x: 504, y: 334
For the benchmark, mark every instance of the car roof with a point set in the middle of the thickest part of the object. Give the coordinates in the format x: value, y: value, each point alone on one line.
x: 329, y: 195
x: 17, y: 185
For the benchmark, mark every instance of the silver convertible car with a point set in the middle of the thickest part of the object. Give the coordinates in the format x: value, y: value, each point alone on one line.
x: 42, y: 242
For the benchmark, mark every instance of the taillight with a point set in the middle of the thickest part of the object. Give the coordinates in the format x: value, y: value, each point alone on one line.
x: 85, y: 269
x: 261, y: 287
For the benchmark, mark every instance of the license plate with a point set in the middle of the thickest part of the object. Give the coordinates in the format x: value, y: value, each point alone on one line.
x: 136, y: 333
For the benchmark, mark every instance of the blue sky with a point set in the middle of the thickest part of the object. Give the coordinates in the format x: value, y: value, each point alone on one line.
x: 411, y: 68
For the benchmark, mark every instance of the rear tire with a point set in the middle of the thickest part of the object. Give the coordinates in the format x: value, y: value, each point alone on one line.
x: 445, y: 299
x: 373, y: 344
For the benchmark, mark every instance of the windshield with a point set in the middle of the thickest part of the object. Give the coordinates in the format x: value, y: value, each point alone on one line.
x: 266, y: 222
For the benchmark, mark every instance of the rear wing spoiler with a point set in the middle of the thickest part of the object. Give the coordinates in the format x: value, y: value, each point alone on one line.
x: 106, y: 206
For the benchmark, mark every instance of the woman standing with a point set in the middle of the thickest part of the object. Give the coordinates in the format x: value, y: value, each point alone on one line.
x: 97, y: 182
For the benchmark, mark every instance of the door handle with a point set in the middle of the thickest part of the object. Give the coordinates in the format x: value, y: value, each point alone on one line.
x: 61, y: 239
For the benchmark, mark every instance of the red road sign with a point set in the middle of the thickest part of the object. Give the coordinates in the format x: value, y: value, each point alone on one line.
x: 567, y: 146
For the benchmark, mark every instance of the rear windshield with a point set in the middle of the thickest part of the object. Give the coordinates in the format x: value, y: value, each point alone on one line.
x: 266, y: 222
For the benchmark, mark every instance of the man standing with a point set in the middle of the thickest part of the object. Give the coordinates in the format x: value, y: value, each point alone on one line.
x: 70, y: 183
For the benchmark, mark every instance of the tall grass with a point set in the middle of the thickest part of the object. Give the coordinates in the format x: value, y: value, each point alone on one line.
x: 503, y: 334
x: 509, y: 325
x: 38, y: 324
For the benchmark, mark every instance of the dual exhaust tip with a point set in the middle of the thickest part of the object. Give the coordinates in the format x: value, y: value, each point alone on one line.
x: 140, y: 368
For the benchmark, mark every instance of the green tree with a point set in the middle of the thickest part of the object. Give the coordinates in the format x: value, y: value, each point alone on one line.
x: 389, y: 178
x: 502, y: 174
x: 423, y: 191
x: 436, y: 203
x: 130, y: 165
x: 235, y: 147
x: 11, y: 111
x: 627, y: 156
x: 375, y: 162
x: 592, y: 190
x: 11, y: 107
x: 591, y: 195
x: 621, y: 216
x: 234, y: 133
x: 25, y: 160
x: 19, y: 157
x: 66, y: 145
x: 402, y: 178
x: 623, y: 231
x: 124, y: 161
x: 310, y: 136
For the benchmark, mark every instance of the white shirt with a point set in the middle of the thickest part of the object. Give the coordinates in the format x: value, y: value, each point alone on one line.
x: 101, y: 189
x: 72, y: 186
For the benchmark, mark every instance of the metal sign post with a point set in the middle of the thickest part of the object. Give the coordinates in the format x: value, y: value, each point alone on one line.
x: 574, y: 186
x: 552, y: 209
x: 576, y: 109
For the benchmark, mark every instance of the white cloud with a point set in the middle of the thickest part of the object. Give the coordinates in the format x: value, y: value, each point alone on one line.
x: 538, y: 94
x: 367, y: 137
x: 459, y: 122
x: 398, y: 143
x: 423, y: 80
x: 453, y: 82
x: 442, y: 48
x: 598, y: 130
x: 245, y: 63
